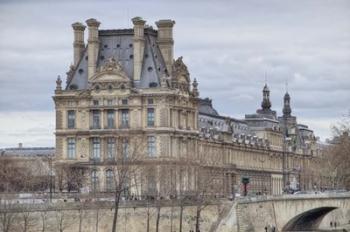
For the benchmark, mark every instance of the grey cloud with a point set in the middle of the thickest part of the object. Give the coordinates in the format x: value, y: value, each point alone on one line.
x: 227, y: 45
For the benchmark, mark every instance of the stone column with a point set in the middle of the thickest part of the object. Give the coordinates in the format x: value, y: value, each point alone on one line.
x: 166, y: 42
x: 138, y: 46
x: 78, y: 44
x: 93, y: 44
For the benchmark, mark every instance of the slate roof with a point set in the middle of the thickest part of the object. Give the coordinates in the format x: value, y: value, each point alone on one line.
x: 28, y: 151
x: 119, y: 45
x: 206, y: 107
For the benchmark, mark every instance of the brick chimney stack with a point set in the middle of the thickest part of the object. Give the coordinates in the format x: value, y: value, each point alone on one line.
x: 78, y: 44
x: 93, y: 45
x: 138, y: 45
x: 166, y: 42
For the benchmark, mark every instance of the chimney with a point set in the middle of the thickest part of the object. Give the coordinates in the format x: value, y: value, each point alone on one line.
x: 138, y: 45
x: 78, y: 44
x: 93, y: 44
x: 166, y: 42
x: 20, y: 145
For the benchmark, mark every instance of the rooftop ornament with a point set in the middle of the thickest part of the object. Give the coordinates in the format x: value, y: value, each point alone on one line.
x: 58, y: 83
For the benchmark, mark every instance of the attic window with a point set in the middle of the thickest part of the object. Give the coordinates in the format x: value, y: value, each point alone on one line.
x: 102, y: 57
x: 73, y: 87
x: 149, y: 69
x: 105, y: 46
x: 153, y: 84
x: 86, y: 57
x: 146, y: 55
x: 118, y: 45
x: 158, y: 68
x: 110, y: 87
x: 130, y: 45
x: 156, y: 56
x: 80, y: 71
x: 124, y: 101
x: 150, y: 101
x: 95, y: 102
x: 131, y: 56
x: 97, y: 87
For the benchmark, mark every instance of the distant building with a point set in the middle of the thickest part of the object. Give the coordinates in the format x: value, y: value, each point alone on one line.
x: 26, y: 168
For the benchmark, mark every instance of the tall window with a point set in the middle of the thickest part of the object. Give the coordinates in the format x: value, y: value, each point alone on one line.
x: 152, y: 184
x: 71, y: 148
x: 94, y: 181
x: 71, y: 119
x: 96, y: 119
x: 110, y: 148
x: 110, y: 119
x: 150, y: 117
x: 109, y: 181
x: 96, y: 148
x: 125, y: 118
x: 151, y: 146
x: 125, y: 148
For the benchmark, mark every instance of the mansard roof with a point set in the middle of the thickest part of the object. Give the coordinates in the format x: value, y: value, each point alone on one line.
x: 118, y: 44
x: 206, y: 107
x: 28, y: 151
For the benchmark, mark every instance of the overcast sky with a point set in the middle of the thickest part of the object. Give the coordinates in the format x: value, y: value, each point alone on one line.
x: 227, y: 45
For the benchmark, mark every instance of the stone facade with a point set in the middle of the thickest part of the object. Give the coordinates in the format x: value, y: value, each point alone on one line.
x: 126, y: 96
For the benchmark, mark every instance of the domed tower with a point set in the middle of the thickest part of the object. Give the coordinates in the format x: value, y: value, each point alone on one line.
x: 266, y: 104
x: 286, y: 105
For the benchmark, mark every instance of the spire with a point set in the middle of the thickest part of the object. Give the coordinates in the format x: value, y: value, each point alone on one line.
x: 266, y: 104
x: 286, y: 105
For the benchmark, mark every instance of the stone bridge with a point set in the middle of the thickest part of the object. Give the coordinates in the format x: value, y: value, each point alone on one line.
x: 293, y: 212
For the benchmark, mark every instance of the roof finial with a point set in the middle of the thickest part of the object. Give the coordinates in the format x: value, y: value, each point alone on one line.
x: 58, y: 83
x: 286, y: 85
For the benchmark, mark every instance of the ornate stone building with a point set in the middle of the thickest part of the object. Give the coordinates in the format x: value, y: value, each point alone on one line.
x: 127, y: 97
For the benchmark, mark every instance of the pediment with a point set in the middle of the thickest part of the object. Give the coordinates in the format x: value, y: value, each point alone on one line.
x: 110, y: 71
x: 108, y: 76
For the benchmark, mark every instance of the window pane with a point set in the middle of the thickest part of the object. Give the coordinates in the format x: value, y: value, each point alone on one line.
x: 110, y: 148
x: 96, y: 119
x: 71, y: 148
x: 150, y: 117
x: 125, y: 148
x: 151, y: 146
x: 109, y: 181
x: 110, y: 119
x: 96, y: 148
x: 94, y: 181
x: 125, y: 118
x: 71, y: 119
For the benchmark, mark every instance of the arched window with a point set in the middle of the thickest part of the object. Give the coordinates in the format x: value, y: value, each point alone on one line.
x: 109, y: 181
x: 94, y: 181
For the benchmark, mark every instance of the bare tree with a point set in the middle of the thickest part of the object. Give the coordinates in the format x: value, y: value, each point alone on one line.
x: 63, y: 220
x: 43, y: 216
x: 126, y: 171
x: 6, y: 216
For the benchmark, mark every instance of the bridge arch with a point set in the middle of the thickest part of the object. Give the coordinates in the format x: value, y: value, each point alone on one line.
x: 308, y: 220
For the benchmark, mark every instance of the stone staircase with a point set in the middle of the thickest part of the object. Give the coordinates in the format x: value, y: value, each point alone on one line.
x: 241, y: 224
x: 223, y: 214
